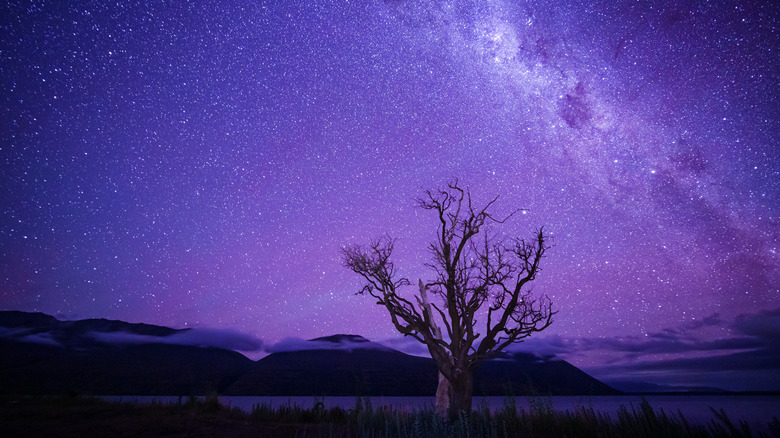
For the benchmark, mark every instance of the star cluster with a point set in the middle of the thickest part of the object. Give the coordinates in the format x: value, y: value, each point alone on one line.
x: 202, y: 163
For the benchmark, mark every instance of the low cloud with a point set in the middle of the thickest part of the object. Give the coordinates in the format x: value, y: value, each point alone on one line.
x: 750, y: 359
x: 11, y: 333
x: 545, y: 347
x: 198, y: 337
x: 408, y: 345
x: 634, y: 347
x: 756, y: 370
x: 25, y: 335
x: 41, y: 338
x: 684, y: 339
x: 336, y: 343
x: 763, y: 325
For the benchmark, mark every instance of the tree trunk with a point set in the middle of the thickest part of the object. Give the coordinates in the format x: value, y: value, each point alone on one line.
x: 454, y: 397
x: 443, y: 396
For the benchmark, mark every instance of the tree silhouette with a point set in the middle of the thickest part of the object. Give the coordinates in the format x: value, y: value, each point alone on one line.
x: 472, y: 277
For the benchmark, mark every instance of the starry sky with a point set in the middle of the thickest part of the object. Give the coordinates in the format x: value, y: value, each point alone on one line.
x: 200, y: 164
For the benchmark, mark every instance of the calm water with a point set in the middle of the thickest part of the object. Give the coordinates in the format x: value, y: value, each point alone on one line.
x: 756, y: 410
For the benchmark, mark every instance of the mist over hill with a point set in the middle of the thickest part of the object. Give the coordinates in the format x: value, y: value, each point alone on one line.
x: 40, y: 354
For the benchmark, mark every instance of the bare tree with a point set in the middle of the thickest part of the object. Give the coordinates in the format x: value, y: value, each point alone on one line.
x: 473, y: 277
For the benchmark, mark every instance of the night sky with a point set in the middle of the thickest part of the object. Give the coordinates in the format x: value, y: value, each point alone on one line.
x: 200, y: 164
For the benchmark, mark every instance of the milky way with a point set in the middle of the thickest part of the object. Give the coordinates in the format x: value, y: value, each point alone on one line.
x: 202, y: 164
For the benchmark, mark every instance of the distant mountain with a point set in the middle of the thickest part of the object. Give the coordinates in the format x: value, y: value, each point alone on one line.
x: 42, y: 328
x: 337, y: 372
x: 343, y: 339
x: 42, y: 355
x: 526, y: 374
x: 345, y: 369
x: 348, y: 342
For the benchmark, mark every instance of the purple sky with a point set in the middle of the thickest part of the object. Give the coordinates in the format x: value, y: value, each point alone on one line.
x: 201, y: 164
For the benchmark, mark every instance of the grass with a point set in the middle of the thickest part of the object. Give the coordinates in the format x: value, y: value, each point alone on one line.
x: 85, y: 417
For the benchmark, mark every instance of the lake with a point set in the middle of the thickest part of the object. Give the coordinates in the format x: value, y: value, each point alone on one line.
x: 756, y: 410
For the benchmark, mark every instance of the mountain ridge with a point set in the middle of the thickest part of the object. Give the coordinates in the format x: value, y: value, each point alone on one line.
x: 40, y: 354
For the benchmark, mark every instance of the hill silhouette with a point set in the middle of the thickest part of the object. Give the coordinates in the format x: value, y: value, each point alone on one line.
x: 344, y: 369
x: 40, y: 354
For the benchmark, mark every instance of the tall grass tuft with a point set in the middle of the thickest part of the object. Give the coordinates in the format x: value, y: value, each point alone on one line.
x: 540, y: 421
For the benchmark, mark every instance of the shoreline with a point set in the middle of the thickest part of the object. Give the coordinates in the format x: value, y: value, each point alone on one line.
x: 208, y: 416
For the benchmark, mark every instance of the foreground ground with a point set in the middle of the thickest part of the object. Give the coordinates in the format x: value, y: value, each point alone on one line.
x: 64, y: 417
